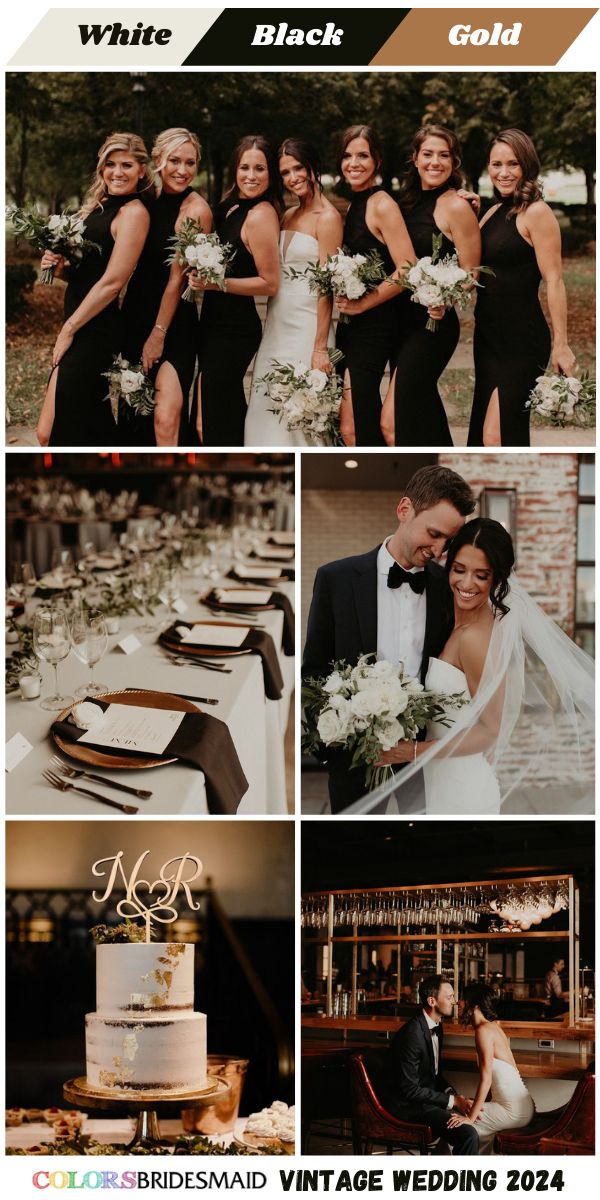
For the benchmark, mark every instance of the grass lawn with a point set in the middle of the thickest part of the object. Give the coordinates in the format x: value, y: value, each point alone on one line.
x: 30, y: 338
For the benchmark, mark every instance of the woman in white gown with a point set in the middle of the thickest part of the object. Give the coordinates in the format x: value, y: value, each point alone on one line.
x: 530, y: 693
x: 298, y: 326
x: 511, y: 1106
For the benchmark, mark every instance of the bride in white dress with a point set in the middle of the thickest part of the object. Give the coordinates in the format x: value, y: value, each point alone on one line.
x: 511, y: 1106
x: 298, y: 326
x: 529, y: 690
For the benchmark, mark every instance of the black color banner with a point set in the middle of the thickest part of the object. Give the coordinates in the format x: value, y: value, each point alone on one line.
x: 360, y: 35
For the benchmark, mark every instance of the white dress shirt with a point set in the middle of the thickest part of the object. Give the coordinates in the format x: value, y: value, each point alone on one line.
x: 431, y: 1024
x: 401, y: 616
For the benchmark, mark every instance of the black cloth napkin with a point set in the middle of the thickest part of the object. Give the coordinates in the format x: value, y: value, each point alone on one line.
x: 281, y: 601
x: 288, y: 573
x: 255, y: 640
x: 201, y: 741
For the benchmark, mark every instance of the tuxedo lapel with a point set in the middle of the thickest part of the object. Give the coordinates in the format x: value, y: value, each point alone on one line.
x: 364, y: 586
x: 437, y: 623
x: 428, y: 1042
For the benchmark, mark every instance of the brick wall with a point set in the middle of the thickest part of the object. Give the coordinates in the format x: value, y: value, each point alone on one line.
x: 339, y: 523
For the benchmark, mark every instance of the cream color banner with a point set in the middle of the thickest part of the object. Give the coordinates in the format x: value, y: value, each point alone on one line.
x: 114, y: 37
x: 483, y: 37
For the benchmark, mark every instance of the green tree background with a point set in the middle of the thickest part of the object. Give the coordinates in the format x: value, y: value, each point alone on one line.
x: 56, y: 121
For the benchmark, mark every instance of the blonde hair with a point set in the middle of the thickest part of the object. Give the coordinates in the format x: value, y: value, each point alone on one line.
x: 168, y: 141
x: 130, y: 143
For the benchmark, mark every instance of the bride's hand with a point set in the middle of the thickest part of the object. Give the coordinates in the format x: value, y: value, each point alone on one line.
x: 321, y: 361
x: 456, y: 1119
x: 402, y: 752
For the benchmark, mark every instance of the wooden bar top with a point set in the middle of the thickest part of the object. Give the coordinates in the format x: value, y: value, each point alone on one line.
x: 584, y: 1031
x: 533, y: 1064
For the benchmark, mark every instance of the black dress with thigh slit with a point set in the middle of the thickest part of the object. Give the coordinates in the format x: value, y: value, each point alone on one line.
x: 369, y: 340
x: 140, y: 311
x: 512, y: 343
x: 230, y: 333
x: 82, y: 414
x: 420, y: 417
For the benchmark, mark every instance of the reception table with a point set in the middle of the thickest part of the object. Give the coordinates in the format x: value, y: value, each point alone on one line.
x: 257, y: 725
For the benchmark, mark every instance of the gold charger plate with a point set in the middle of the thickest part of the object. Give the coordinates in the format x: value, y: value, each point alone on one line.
x: 98, y: 758
x: 252, y: 1141
x: 207, y: 651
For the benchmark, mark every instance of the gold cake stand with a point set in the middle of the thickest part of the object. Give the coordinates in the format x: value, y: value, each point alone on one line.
x: 79, y: 1093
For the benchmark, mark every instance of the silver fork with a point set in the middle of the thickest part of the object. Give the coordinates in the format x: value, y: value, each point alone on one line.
x: 75, y: 773
x: 181, y: 660
x: 55, y: 781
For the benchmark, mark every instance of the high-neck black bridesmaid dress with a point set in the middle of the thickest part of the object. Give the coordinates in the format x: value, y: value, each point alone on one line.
x: 368, y: 341
x: 140, y: 311
x: 420, y: 417
x: 82, y: 415
x: 230, y: 333
x: 511, y: 344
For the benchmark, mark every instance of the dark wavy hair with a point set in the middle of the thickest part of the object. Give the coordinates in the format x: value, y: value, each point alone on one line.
x: 492, y: 538
x: 529, y: 188
x: 481, y: 996
x: 371, y: 137
x: 255, y: 141
x: 410, y: 190
x: 306, y: 154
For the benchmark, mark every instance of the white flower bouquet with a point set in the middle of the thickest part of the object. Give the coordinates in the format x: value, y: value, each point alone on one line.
x: 366, y: 710
x: 436, y: 281
x: 129, y: 389
x: 564, y: 400
x: 307, y: 400
x: 201, y: 252
x: 62, y: 233
x: 343, y: 274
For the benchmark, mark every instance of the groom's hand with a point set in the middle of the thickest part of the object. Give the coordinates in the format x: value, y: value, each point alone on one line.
x: 463, y: 1105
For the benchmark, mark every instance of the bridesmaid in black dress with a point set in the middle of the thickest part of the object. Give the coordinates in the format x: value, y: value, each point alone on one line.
x: 369, y: 341
x: 159, y: 329
x: 521, y: 243
x: 413, y: 413
x: 230, y: 327
x: 75, y: 411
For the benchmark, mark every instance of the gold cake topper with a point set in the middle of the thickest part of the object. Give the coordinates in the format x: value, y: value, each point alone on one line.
x: 158, y: 905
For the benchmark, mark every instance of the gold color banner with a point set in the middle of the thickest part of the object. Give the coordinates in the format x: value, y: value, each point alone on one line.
x: 483, y: 37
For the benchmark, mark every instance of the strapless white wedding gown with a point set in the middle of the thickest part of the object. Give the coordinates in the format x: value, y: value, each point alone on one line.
x: 511, y: 1106
x: 288, y: 336
x: 456, y: 785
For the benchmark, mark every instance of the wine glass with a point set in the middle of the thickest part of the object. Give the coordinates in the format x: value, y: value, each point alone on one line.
x: 61, y: 564
x: 89, y: 639
x: 144, y: 586
x: 51, y: 642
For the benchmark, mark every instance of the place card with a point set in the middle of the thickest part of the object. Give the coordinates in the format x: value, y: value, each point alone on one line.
x: 282, y: 554
x: 17, y: 748
x: 214, y: 635
x: 258, y: 572
x: 242, y: 596
x: 128, y: 644
x: 286, y: 538
x: 180, y: 606
x: 132, y: 727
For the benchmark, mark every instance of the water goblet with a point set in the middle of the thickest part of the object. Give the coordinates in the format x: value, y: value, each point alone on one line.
x: 89, y: 639
x: 51, y: 642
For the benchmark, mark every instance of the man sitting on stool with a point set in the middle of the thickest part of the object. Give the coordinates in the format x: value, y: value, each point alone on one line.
x: 417, y: 1089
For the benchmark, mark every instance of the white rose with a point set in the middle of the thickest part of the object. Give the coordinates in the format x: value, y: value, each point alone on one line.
x: 334, y: 683
x: 389, y: 735
x: 55, y: 222
x: 382, y: 669
x: 130, y: 381
x: 191, y: 254
x: 317, y: 380
x: 355, y: 288
x: 415, y: 275
x: 331, y: 727
x: 429, y: 296
x: 364, y: 704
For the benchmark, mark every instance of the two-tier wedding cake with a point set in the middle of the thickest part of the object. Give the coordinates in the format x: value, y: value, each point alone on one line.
x: 145, y: 1035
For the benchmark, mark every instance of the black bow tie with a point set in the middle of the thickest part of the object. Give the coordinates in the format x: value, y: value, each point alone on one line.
x: 397, y: 576
x: 435, y: 1032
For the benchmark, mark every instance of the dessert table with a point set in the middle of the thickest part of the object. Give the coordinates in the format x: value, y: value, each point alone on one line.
x: 257, y: 725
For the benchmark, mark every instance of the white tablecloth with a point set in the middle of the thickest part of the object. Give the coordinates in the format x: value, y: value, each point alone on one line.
x: 257, y: 725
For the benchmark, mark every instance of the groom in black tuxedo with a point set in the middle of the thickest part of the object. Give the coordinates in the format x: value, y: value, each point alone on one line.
x: 393, y: 601
x: 417, y: 1090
